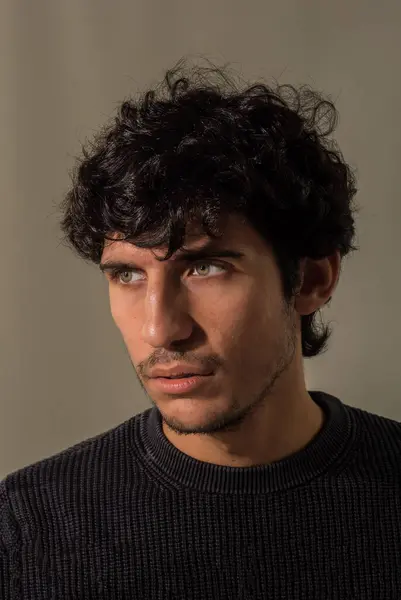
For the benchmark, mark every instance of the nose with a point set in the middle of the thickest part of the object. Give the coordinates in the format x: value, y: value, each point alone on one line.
x: 167, y: 319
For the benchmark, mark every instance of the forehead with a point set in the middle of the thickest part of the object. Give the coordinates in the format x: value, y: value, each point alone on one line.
x: 236, y: 233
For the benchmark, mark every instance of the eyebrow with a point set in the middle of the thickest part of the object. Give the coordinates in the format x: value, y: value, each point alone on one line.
x: 187, y: 256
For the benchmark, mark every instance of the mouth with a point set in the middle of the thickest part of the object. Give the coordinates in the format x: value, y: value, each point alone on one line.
x: 184, y: 376
x: 179, y: 384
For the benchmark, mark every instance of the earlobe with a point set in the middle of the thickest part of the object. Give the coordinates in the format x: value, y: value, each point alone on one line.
x: 318, y: 278
x: 307, y: 304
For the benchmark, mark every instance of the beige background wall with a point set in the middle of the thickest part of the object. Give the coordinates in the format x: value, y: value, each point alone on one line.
x: 64, y: 66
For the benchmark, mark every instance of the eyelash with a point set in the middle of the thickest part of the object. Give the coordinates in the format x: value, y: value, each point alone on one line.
x: 115, y: 273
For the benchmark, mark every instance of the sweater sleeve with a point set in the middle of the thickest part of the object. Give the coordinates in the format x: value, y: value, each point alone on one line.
x: 9, y: 548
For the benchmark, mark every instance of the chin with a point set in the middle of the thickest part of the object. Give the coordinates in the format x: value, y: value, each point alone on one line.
x: 193, y: 415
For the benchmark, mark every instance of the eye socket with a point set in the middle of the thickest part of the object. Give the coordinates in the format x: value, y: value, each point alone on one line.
x: 115, y: 274
x: 209, y: 264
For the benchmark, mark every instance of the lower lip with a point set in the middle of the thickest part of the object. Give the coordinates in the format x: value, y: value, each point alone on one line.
x: 175, y: 386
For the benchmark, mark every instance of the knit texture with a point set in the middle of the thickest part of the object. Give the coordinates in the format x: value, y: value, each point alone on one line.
x: 126, y: 515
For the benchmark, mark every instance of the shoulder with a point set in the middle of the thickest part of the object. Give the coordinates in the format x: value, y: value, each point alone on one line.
x: 9, y: 530
x: 36, y: 488
x: 377, y: 424
x: 379, y: 439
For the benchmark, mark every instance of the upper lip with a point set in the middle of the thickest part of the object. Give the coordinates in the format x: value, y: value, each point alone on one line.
x: 180, y: 370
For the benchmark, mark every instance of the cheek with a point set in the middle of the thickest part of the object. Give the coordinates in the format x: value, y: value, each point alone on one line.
x: 116, y: 309
x: 249, y: 328
x: 237, y: 320
x: 123, y: 315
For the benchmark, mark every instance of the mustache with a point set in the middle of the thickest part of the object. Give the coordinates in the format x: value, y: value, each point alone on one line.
x: 205, y: 362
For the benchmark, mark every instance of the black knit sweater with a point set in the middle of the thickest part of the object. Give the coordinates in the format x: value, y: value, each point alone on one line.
x: 126, y: 515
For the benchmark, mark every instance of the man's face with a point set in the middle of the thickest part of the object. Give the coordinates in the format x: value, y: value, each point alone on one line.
x: 225, y: 314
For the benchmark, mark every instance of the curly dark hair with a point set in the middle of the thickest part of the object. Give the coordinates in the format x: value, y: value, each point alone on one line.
x: 199, y: 147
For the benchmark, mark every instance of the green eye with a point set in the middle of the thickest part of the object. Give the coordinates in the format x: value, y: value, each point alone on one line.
x: 119, y: 275
x: 208, y: 265
x: 116, y: 275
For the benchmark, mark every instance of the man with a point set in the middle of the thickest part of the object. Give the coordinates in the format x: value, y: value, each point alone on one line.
x: 219, y: 216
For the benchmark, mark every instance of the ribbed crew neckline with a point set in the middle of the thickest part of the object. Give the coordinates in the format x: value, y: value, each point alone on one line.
x: 169, y: 463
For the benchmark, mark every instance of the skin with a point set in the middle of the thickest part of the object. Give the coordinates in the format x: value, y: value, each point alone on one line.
x: 256, y: 408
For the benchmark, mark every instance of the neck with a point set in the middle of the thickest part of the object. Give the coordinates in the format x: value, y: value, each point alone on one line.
x: 281, y: 425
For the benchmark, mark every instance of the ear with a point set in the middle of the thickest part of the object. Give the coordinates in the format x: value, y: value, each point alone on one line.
x: 319, y: 278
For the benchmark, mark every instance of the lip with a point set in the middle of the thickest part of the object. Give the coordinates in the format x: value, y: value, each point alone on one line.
x: 179, y: 369
x: 178, y: 386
